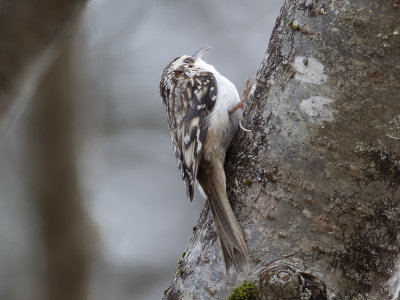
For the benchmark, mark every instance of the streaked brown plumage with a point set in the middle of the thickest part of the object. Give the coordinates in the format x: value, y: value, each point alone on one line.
x: 199, y: 102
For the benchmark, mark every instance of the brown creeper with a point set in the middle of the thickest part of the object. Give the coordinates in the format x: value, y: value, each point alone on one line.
x: 202, y: 120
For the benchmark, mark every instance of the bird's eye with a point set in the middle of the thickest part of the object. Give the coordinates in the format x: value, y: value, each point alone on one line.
x: 186, y: 61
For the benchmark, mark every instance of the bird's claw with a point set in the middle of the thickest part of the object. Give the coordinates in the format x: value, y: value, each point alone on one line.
x: 241, y: 127
x: 245, y: 94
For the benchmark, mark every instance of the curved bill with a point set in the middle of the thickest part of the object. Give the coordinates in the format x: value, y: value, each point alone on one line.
x: 199, y: 53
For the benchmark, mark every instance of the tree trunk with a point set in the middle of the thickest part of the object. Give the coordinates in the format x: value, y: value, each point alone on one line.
x: 65, y: 228
x: 32, y: 33
x: 315, y: 186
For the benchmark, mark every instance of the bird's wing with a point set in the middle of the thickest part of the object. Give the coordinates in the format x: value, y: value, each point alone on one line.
x: 195, y: 99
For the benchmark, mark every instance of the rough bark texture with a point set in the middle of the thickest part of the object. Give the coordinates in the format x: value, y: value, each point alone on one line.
x: 315, y: 186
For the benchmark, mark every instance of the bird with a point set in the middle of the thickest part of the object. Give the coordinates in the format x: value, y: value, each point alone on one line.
x: 204, y: 112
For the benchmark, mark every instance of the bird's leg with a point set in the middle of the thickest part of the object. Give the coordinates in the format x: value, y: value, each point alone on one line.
x: 245, y: 94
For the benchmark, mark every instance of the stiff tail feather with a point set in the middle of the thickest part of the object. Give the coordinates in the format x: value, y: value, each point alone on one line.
x: 230, y: 234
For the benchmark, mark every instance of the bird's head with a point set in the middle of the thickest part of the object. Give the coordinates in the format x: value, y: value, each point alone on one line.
x: 187, y: 62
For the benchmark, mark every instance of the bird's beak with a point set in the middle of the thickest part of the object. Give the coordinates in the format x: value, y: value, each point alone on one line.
x: 199, y: 53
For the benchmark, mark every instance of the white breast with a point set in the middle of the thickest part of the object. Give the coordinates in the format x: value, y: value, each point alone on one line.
x: 221, y: 127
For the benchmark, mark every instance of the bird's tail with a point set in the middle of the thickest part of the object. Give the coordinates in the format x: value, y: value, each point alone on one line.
x: 230, y: 234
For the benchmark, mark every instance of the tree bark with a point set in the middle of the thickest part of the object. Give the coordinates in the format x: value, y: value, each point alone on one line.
x: 315, y: 186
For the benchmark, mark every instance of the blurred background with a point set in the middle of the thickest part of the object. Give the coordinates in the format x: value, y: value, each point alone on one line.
x: 88, y: 181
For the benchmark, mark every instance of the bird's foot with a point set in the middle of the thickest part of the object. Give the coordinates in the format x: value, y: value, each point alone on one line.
x: 245, y: 94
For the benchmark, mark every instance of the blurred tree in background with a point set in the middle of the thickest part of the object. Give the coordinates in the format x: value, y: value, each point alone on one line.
x: 54, y: 183
x: 33, y: 39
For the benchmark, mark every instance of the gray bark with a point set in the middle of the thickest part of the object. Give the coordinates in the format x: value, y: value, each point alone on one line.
x: 315, y: 186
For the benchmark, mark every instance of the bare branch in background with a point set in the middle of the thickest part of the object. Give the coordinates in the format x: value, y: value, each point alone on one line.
x: 30, y: 33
